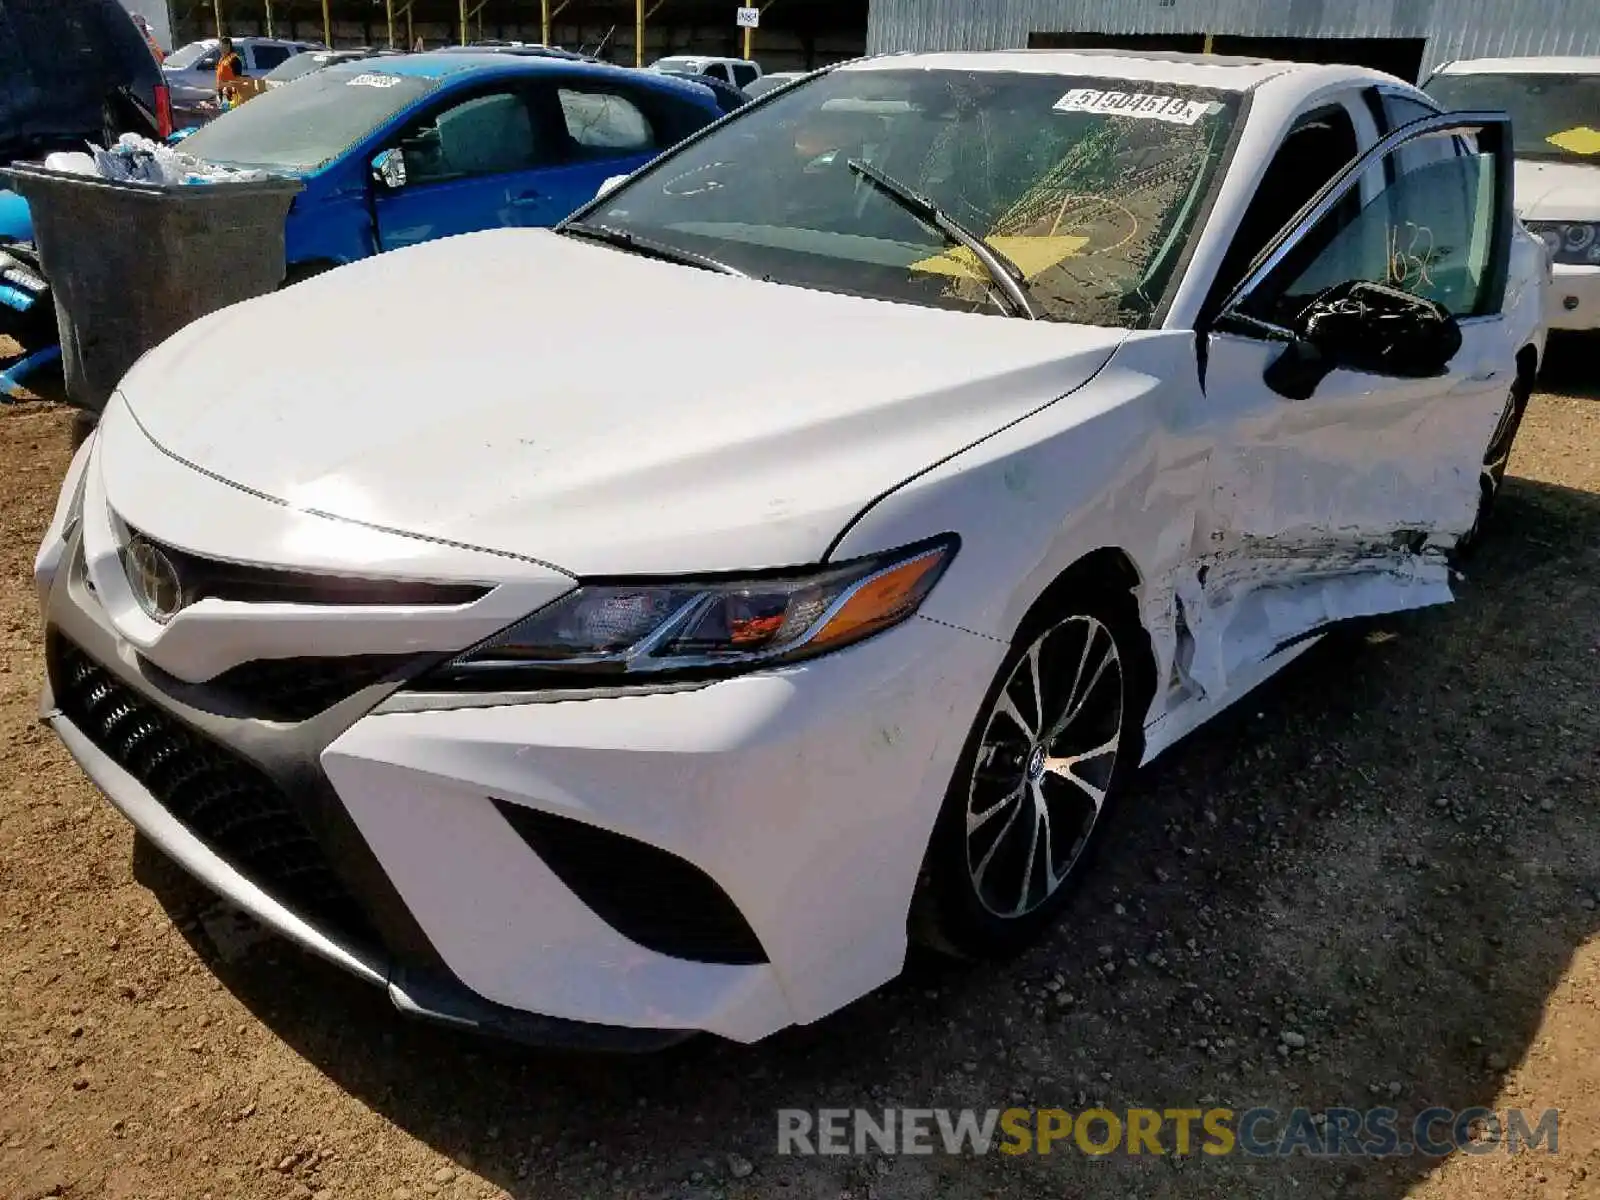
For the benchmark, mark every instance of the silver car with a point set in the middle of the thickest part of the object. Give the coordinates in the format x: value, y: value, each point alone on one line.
x: 191, y: 71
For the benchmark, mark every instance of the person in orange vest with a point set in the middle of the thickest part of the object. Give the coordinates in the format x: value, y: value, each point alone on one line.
x: 229, y: 66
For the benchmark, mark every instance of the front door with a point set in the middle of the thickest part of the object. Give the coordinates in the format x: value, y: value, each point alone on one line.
x: 1344, y: 502
x: 474, y: 162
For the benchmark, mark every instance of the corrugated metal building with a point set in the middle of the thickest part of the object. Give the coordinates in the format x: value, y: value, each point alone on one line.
x: 1409, y: 37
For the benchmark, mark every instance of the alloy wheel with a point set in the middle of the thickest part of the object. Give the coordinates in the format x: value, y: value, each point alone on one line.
x: 1045, y: 763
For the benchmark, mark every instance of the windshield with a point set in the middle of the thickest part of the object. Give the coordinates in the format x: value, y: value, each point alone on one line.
x: 1552, y: 116
x: 186, y: 57
x: 302, y: 127
x: 1091, y: 186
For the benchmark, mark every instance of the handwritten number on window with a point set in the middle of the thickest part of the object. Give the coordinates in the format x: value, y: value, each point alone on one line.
x: 1410, y: 252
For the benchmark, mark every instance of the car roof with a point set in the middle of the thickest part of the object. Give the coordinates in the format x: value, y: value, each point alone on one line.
x: 700, y: 58
x: 443, y: 64
x: 1555, y: 65
x: 1196, y: 70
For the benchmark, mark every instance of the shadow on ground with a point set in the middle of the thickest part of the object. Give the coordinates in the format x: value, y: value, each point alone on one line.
x: 1391, y: 851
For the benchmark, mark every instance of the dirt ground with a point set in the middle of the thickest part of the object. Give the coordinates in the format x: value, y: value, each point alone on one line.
x: 1375, y: 881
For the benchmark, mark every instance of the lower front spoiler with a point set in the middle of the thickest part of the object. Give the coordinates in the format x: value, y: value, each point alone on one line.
x: 421, y: 994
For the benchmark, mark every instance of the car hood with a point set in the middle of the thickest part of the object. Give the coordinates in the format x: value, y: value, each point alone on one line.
x: 528, y: 393
x: 1557, y: 191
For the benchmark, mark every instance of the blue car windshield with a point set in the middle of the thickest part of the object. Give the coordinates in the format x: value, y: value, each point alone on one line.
x: 309, y: 122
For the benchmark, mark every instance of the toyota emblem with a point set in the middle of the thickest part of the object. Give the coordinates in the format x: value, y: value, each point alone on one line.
x: 154, y: 580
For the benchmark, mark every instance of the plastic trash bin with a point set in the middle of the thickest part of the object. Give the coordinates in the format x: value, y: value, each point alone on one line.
x: 130, y: 264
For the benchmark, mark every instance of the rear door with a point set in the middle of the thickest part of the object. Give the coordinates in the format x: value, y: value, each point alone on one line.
x: 1343, y: 503
x: 603, y: 130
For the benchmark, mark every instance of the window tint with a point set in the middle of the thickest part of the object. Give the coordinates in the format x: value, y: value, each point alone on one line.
x: 744, y: 76
x: 1430, y: 232
x: 601, y: 124
x: 268, y: 57
x: 487, y: 135
x: 1402, y: 110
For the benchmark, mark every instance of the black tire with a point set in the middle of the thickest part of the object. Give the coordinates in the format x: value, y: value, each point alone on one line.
x: 1496, y: 457
x: 972, y: 872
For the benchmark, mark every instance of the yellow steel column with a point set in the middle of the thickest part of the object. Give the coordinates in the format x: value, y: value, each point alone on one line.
x: 1206, y: 49
x: 389, y: 12
x: 327, y: 25
x: 545, y: 13
x: 216, y: 11
x: 638, y: 33
x: 464, y: 38
x: 749, y: 37
x: 268, y: 5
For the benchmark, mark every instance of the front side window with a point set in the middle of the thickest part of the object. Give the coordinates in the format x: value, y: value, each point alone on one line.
x: 1552, y: 116
x: 1091, y: 186
x: 486, y: 135
x: 602, y: 124
x: 1430, y: 232
x: 302, y: 127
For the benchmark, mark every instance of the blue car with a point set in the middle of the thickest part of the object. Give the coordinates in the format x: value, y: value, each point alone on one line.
x: 396, y: 151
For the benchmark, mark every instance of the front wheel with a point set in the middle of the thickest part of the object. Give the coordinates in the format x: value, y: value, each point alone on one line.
x: 1057, y: 735
x: 1492, y: 475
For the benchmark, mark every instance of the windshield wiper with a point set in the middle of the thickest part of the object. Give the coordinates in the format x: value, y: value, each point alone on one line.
x: 1007, y: 276
x: 649, y: 247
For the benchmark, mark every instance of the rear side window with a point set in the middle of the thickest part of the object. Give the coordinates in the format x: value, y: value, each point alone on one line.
x: 744, y: 76
x: 268, y: 57
x: 717, y: 71
x: 604, y: 124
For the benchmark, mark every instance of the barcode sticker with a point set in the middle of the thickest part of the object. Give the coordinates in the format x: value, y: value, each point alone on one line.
x: 1144, y: 106
x: 377, y: 81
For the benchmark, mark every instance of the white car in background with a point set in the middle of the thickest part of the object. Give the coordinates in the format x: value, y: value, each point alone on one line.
x: 1554, y: 105
x: 740, y: 72
x: 1081, y: 393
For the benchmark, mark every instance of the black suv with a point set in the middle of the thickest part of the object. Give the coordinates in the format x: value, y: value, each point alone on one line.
x: 73, y: 71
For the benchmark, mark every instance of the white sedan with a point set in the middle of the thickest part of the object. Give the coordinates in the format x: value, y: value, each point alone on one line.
x: 482, y: 647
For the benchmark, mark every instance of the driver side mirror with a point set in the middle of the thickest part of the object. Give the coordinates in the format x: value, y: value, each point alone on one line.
x: 389, y: 169
x: 1362, y: 326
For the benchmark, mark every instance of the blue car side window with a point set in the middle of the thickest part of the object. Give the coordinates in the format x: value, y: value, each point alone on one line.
x: 487, y: 135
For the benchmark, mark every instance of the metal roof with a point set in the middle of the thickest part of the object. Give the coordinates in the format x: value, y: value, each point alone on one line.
x: 1453, y: 29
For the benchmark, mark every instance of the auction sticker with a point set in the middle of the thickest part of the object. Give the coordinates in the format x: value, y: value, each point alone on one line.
x: 1143, y: 106
x: 377, y: 81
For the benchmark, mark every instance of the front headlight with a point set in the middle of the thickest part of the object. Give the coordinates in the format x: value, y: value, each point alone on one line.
x: 1572, y: 243
x: 627, y: 632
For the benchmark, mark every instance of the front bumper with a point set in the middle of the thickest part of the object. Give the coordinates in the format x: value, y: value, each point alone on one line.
x: 1573, y: 298
x: 806, y: 796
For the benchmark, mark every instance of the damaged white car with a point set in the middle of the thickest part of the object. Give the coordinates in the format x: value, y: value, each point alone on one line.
x: 482, y: 648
